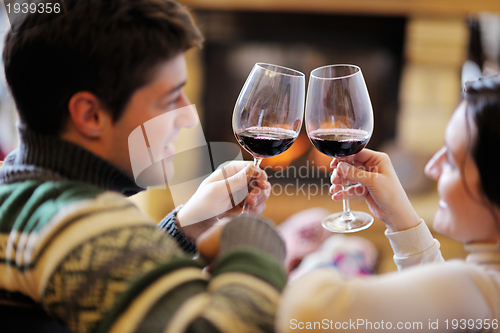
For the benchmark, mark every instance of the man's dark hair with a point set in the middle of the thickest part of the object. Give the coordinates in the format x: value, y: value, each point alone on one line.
x: 110, y: 48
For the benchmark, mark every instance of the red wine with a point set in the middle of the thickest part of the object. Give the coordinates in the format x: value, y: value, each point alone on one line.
x: 339, y: 142
x: 265, y: 142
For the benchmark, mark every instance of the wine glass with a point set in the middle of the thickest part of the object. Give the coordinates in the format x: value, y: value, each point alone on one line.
x: 339, y: 123
x: 268, y: 113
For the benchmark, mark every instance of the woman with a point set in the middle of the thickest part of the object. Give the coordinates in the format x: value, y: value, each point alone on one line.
x: 427, y: 294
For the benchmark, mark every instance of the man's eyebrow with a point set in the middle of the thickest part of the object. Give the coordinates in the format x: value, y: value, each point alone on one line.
x: 176, y: 88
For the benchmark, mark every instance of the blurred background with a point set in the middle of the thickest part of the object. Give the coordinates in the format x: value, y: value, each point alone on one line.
x: 414, y: 56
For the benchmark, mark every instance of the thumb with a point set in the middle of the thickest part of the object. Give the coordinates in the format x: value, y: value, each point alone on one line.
x: 353, y: 174
x: 240, y: 180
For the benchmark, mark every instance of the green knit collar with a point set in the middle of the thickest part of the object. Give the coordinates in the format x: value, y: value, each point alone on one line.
x: 49, y: 158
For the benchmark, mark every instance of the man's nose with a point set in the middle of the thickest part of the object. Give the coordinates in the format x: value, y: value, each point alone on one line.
x: 188, y: 117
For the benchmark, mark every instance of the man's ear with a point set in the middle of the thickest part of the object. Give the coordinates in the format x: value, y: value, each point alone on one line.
x: 87, y: 114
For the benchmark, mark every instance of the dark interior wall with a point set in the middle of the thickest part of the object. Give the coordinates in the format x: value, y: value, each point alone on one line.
x: 235, y: 41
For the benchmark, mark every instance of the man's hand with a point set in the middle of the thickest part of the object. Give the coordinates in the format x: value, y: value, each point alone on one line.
x: 208, y: 243
x: 221, y: 194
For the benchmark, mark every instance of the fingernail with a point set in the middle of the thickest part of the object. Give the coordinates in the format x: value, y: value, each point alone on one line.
x: 248, y: 169
x: 343, y: 167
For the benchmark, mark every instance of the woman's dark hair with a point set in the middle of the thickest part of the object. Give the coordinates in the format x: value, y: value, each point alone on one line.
x: 483, y: 106
x: 110, y: 48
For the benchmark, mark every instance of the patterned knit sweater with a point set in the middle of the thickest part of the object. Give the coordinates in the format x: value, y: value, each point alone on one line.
x: 71, y: 244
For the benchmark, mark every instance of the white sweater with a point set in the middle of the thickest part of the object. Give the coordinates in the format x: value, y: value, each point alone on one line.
x: 426, y: 295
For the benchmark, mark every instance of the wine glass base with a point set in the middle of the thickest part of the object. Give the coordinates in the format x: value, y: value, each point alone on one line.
x: 337, y: 222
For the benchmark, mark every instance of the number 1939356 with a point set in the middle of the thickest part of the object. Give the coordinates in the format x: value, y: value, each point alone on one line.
x: 40, y: 8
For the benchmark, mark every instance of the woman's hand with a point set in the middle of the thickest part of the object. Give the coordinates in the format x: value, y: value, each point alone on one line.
x: 223, y: 193
x: 380, y: 186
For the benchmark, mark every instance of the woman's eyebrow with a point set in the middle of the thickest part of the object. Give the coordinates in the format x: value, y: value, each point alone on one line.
x: 449, y: 153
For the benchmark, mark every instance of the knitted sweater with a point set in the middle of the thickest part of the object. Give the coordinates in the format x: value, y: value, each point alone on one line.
x: 73, y: 245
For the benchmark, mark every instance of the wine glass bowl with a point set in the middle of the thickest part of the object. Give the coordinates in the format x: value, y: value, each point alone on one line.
x: 339, y: 123
x: 268, y: 113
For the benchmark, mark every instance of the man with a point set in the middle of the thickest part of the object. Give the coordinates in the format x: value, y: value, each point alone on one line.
x: 70, y: 242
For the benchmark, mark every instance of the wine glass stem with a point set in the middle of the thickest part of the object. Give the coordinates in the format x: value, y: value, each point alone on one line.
x: 246, y: 206
x: 348, y: 216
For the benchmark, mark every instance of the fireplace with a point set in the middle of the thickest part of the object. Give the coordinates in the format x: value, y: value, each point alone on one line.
x: 235, y: 41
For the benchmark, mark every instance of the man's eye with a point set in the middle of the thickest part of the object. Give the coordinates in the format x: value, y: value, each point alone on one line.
x: 171, y: 103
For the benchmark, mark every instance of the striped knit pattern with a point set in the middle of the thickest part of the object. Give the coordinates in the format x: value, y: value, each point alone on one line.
x: 50, y: 158
x: 97, y: 264
x: 169, y: 225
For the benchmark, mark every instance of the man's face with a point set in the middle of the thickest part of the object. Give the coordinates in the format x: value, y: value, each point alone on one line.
x: 158, y: 98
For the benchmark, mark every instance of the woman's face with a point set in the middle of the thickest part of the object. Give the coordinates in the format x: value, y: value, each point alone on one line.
x: 464, y: 213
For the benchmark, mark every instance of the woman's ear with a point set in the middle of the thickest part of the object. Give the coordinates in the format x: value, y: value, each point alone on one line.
x: 87, y: 114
